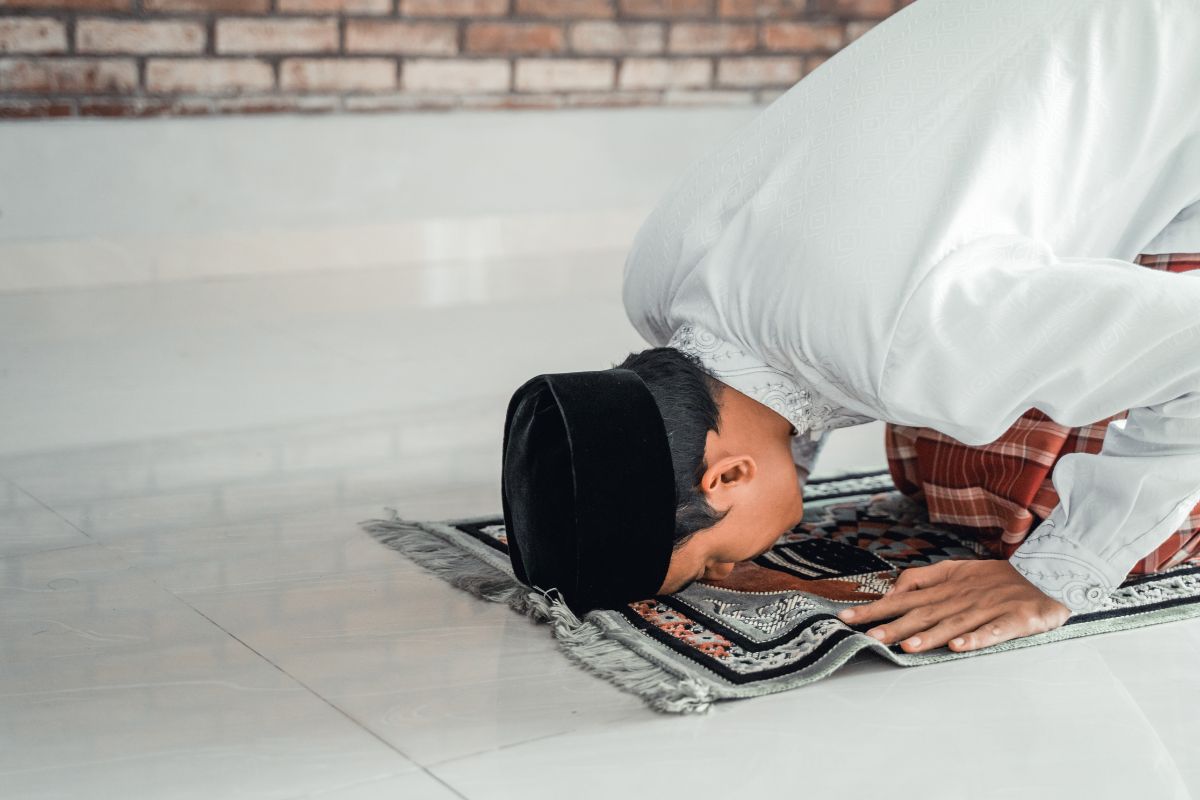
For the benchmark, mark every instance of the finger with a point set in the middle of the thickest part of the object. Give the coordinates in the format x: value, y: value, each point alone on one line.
x: 920, y: 577
x: 994, y: 631
x: 948, y: 628
x: 915, y: 622
x: 891, y: 605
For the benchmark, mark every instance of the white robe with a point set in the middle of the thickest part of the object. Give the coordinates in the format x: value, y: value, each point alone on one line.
x: 936, y: 228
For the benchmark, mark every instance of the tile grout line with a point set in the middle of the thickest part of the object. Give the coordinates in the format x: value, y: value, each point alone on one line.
x: 309, y: 689
x: 450, y: 788
x: 94, y: 542
x: 556, y: 734
x: 465, y: 756
x: 422, y: 767
x: 39, y: 501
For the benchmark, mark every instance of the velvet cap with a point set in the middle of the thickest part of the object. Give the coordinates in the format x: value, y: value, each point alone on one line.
x: 588, y: 487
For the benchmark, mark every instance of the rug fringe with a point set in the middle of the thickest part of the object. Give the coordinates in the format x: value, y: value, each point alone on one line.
x: 583, y: 640
x: 453, y: 564
x: 587, y: 643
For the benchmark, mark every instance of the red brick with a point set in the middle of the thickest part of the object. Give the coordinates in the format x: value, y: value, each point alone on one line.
x: 703, y: 97
x: 59, y: 75
x: 572, y: 9
x: 453, y: 8
x: 277, y: 36
x: 455, y: 75
x: 337, y: 74
x: 401, y: 101
x: 616, y: 37
x: 552, y: 74
x: 759, y: 71
x: 802, y: 36
x: 665, y: 9
x: 32, y: 35
x: 125, y: 36
x: 335, y: 6
x: 514, y: 37
x: 187, y: 106
x: 408, y: 38
x: 125, y: 107
x: 209, y: 6
x: 857, y: 28
x: 509, y: 102
x: 69, y: 5
x: 316, y: 104
x: 877, y: 9
x: 611, y: 99
x: 768, y: 96
x: 706, y: 37
x: 665, y: 73
x: 762, y: 9
x: 207, y: 75
x: 31, y: 109
x: 812, y: 62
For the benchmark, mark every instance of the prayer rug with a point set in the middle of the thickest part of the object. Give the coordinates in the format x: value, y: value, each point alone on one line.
x: 771, y: 625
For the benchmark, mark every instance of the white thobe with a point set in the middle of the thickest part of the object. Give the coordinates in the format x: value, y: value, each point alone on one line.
x: 935, y: 228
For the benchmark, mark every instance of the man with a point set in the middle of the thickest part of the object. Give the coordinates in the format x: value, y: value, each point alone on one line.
x: 932, y: 229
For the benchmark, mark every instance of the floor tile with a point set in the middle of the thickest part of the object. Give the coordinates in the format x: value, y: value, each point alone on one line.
x: 84, y: 600
x: 271, y: 553
x: 199, y: 720
x: 414, y: 785
x: 27, y: 526
x: 112, y: 686
x: 427, y: 668
x: 1046, y: 722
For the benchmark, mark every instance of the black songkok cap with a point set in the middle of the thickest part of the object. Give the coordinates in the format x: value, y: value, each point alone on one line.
x: 588, y: 488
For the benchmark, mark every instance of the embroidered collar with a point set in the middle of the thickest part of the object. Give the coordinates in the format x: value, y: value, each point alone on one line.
x: 798, y: 403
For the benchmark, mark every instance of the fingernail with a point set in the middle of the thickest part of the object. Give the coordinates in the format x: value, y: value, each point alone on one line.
x: 914, y: 642
x: 878, y: 634
x: 847, y: 613
x: 959, y: 642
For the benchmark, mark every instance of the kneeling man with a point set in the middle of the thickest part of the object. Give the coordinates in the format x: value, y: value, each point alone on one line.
x: 932, y: 229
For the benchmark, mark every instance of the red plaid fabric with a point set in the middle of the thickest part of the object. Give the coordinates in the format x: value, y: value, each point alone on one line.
x: 1000, y: 491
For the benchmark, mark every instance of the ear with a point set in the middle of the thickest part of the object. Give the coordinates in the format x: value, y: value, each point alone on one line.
x: 724, y: 476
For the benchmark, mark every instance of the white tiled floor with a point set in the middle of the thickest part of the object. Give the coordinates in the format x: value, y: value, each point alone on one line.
x: 188, y: 608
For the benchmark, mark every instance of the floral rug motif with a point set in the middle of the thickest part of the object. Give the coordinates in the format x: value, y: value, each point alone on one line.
x: 771, y: 625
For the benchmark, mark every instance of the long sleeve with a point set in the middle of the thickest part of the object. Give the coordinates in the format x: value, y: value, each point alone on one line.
x: 1001, y: 325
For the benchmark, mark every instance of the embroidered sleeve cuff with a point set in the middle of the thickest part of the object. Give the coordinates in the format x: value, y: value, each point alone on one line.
x: 1064, y: 570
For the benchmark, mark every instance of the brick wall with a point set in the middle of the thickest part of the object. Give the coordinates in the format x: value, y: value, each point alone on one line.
x: 152, y: 57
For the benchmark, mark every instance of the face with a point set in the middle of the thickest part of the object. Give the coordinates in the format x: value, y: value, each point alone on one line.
x: 750, y: 473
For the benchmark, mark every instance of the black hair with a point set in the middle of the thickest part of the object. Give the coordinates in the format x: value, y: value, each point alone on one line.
x: 686, y: 395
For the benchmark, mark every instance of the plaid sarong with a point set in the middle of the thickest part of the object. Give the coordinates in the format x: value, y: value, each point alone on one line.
x: 1000, y: 491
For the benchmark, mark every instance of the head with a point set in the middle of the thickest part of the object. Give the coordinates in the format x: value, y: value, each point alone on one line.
x: 736, y: 484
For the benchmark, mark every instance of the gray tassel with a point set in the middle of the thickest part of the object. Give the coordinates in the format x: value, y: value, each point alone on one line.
x: 450, y: 562
x: 584, y: 641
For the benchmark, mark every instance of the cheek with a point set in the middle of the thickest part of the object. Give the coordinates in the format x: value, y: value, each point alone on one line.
x: 790, y: 493
x: 768, y: 542
x: 683, y: 567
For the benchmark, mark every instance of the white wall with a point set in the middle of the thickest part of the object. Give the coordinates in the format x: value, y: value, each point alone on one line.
x: 97, y: 202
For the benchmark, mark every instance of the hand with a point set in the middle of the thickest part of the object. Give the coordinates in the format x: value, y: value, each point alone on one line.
x: 968, y: 604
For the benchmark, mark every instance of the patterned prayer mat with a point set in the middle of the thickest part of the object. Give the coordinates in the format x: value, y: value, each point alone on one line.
x: 771, y: 625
